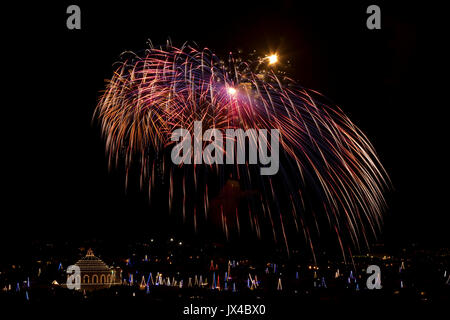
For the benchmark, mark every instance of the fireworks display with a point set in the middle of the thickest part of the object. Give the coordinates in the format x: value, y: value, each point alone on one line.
x: 329, y: 179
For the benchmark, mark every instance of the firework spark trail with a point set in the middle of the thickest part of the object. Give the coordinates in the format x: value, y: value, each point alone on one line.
x: 149, y: 97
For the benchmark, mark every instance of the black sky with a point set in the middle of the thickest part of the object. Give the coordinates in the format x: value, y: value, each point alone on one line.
x: 57, y: 182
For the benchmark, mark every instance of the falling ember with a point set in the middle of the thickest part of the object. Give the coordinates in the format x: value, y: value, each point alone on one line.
x: 330, y: 177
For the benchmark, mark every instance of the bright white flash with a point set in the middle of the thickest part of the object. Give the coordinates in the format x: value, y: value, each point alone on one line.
x: 231, y: 91
x: 272, y: 59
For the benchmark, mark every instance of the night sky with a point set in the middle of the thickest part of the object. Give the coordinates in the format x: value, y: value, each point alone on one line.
x: 386, y: 81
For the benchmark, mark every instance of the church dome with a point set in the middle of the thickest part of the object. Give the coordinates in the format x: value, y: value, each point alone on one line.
x: 91, y: 263
x: 95, y: 274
